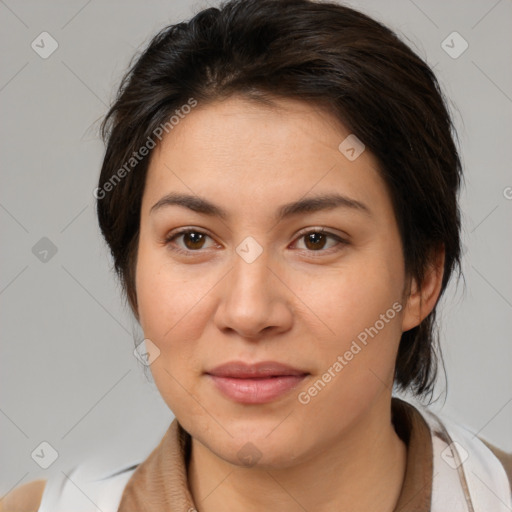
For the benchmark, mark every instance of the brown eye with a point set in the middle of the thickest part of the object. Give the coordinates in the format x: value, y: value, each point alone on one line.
x: 192, y: 241
x: 317, y: 240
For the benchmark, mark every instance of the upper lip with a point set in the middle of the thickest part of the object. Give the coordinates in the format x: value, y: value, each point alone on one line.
x: 242, y: 370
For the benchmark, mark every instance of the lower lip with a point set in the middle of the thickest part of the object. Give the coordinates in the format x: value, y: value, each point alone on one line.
x: 256, y: 391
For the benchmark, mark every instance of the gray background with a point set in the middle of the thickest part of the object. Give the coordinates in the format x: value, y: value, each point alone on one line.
x: 68, y: 373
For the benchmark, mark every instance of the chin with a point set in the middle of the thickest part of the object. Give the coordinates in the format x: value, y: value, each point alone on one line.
x: 251, y: 446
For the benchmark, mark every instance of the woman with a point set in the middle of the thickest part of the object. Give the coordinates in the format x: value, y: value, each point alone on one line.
x: 279, y: 194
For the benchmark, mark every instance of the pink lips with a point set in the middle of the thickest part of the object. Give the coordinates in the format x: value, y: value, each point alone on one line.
x: 255, y: 383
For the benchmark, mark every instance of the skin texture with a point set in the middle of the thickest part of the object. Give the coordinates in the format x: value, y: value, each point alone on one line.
x: 25, y: 498
x: 296, y: 303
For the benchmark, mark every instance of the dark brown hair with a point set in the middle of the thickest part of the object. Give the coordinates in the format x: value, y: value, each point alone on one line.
x: 328, y: 55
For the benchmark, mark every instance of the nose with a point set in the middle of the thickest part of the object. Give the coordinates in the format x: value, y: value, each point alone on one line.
x: 255, y: 302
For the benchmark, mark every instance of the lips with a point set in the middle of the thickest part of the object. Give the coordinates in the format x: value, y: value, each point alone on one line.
x: 255, y: 383
x: 265, y: 369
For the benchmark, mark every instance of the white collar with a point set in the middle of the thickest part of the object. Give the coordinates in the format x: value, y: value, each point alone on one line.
x: 467, y: 476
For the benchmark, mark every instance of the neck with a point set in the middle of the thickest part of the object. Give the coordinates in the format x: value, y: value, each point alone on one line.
x: 361, y: 471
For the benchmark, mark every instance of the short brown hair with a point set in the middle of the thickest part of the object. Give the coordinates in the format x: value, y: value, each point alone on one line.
x: 323, y: 53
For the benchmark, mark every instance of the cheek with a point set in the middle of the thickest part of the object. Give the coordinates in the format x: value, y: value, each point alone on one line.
x: 164, y: 293
x: 170, y: 312
x: 360, y: 304
x: 351, y: 298
x: 357, y: 361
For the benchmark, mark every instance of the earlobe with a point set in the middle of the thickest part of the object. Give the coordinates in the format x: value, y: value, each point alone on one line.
x: 422, y: 300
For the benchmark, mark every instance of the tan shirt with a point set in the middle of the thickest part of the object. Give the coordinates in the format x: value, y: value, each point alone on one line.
x: 160, y: 482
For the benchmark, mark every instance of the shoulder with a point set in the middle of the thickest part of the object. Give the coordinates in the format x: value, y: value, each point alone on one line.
x: 80, y: 488
x: 101, y: 476
x: 504, y: 457
x: 25, y: 498
x: 474, y: 443
x: 466, y: 465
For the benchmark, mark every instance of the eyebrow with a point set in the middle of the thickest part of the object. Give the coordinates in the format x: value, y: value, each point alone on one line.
x: 307, y: 205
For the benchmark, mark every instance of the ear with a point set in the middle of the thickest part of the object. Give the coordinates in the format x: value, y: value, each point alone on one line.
x: 422, y: 299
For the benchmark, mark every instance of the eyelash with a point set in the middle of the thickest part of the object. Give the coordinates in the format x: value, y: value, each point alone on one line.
x: 188, y: 252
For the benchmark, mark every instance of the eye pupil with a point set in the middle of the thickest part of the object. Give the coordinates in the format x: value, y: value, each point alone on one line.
x: 316, y: 239
x: 196, y: 238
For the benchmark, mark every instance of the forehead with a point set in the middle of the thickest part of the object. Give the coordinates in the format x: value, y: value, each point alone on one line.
x: 244, y: 152
x: 239, y: 126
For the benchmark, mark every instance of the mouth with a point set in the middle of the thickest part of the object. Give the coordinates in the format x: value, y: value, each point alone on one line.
x: 255, y: 383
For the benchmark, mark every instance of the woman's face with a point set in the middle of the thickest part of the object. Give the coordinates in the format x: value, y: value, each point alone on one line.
x: 252, y: 286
